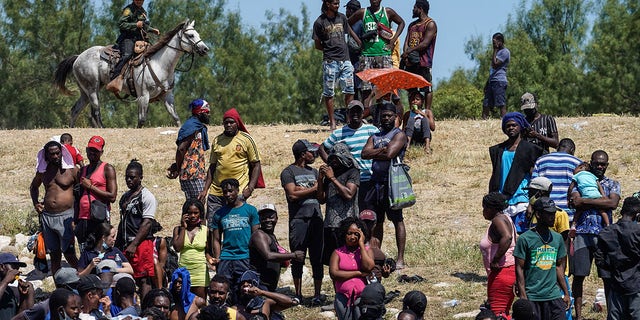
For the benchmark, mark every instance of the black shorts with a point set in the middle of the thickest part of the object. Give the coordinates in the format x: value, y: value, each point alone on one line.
x: 377, y: 199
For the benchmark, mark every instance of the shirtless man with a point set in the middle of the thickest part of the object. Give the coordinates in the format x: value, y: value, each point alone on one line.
x: 57, y: 208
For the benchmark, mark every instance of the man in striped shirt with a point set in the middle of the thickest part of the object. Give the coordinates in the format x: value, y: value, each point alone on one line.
x: 558, y: 167
x: 355, y: 135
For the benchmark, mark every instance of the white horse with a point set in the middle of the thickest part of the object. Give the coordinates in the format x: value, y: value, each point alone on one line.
x: 153, y: 78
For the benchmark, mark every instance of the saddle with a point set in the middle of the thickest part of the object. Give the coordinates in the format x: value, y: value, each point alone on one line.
x: 111, y: 55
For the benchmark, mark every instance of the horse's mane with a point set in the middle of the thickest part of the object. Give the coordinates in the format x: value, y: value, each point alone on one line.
x: 164, y: 40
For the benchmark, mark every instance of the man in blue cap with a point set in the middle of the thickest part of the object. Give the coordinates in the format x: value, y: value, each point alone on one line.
x: 13, y: 299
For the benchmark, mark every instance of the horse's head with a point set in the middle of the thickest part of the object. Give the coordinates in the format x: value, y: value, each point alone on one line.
x: 190, y: 39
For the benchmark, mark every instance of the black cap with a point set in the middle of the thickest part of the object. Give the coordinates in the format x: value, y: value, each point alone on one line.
x: 90, y: 282
x: 353, y: 4
x: 303, y: 145
x: 372, y: 295
x: 545, y: 204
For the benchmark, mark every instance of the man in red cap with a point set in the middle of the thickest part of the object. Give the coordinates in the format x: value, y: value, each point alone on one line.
x: 193, y: 141
x: 98, y: 182
x: 234, y: 154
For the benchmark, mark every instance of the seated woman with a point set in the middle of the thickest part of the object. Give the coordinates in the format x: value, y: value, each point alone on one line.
x: 100, y: 246
x: 254, y: 300
x: 185, y: 302
x: 349, y: 266
x: 190, y: 239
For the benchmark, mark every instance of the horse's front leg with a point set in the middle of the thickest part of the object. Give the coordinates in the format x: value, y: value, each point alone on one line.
x: 143, y: 107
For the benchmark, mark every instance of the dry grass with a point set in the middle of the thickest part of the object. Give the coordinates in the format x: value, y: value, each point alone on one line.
x: 443, y: 228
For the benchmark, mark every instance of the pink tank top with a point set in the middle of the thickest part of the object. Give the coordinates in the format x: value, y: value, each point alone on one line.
x: 350, y: 261
x: 99, y: 181
x: 489, y: 249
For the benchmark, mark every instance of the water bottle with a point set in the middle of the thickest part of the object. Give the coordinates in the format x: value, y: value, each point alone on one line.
x: 118, y: 261
x: 450, y: 303
x: 600, y: 301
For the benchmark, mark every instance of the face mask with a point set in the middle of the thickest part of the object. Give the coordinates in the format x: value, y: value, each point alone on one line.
x: 105, y: 245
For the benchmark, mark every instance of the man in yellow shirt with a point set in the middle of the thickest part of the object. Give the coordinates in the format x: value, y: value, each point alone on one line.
x: 234, y: 154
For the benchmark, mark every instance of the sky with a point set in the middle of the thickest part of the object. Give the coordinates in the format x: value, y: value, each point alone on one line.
x: 457, y: 20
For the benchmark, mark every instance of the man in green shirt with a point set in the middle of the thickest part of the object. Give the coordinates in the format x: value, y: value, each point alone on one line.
x: 540, y: 258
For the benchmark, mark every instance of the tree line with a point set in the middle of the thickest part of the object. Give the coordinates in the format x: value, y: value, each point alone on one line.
x: 272, y: 74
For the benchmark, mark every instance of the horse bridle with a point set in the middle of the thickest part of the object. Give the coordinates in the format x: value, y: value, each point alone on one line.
x: 194, y: 44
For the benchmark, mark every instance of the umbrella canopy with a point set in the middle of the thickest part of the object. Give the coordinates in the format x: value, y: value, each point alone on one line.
x: 390, y: 79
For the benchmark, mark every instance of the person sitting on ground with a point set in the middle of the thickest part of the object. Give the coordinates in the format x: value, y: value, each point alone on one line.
x: 523, y: 309
x: 161, y: 299
x: 67, y: 141
x: 589, y: 188
x: 95, y: 305
x: 338, y: 183
x: 266, y: 255
x: 253, y: 299
x: 123, y: 297
x: 418, y: 123
x: 415, y: 301
x: 13, y: 299
x: 219, y: 295
x: 350, y: 263
x: 407, y: 315
x: 190, y: 239
x: 153, y: 313
x: 100, y: 247
x: 186, y: 303
x: 497, y: 247
x: 64, y: 304
x: 66, y: 278
x: 213, y: 312
x: 486, y: 314
x: 371, y: 304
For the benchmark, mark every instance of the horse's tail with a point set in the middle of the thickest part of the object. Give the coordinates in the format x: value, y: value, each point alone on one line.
x: 61, y: 73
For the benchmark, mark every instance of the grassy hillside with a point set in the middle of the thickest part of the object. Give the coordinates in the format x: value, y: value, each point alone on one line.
x: 443, y: 228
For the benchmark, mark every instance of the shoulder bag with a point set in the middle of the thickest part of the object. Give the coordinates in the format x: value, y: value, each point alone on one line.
x: 384, y: 32
x: 401, y: 193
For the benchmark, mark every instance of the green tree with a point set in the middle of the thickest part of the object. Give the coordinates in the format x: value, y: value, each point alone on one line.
x: 613, y: 79
x: 457, y: 97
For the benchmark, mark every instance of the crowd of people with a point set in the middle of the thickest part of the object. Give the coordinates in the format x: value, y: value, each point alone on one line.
x: 550, y: 213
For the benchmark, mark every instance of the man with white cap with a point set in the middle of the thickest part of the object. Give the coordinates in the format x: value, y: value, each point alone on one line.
x: 66, y: 278
x: 193, y: 141
x: 541, y: 187
x: 13, y: 299
x: 266, y: 256
x: 543, y: 131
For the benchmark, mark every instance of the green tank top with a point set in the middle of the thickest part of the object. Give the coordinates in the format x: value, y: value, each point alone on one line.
x: 374, y: 46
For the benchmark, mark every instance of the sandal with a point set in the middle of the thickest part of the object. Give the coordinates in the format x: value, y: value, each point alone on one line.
x: 391, y: 295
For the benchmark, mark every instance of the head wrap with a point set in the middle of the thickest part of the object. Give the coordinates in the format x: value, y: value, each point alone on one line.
x: 517, y: 117
x: 186, y: 297
x: 198, y: 106
x: 495, y: 200
x: 233, y: 114
x: 67, y: 159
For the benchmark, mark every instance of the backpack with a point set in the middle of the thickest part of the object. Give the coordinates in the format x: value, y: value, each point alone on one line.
x: 172, y: 259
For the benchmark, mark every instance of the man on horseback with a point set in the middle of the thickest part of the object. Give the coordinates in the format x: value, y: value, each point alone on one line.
x: 133, y: 26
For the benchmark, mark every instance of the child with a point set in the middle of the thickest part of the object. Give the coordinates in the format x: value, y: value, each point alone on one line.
x: 589, y: 188
x: 67, y: 141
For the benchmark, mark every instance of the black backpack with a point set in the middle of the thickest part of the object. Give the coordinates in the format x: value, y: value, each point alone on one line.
x: 172, y: 259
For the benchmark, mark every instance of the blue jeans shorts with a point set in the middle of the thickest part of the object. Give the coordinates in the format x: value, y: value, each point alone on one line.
x: 337, y: 70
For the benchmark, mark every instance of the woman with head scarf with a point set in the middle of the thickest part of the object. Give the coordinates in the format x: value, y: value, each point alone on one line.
x: 339, y: 180
x: 186, y: 303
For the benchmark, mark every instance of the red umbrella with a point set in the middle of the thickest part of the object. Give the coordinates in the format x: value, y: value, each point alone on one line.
x: 390, y: 79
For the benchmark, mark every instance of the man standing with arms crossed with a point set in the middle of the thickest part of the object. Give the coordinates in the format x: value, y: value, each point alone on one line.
x: 56, y: 210
x: 376, y: 52
x: 329, y: 32
x: 421, y: 43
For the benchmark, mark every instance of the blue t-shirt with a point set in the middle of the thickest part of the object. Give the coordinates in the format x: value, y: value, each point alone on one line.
x: 235, y: 225
x: 587, y: 184
x: 500, y: 74
x: 520, y: 194
x: 87, y: 256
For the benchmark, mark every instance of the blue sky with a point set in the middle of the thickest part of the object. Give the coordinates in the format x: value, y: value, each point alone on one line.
x: 458, y: 21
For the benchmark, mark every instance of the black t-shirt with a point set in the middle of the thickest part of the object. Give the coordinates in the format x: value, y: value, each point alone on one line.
x: 303, y: 177
x: 332, y: 34
x: 545, y: 125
